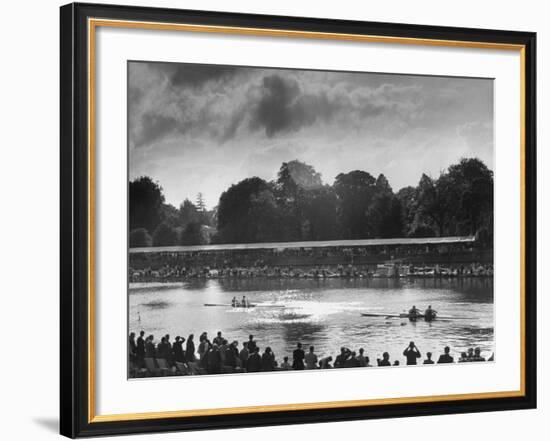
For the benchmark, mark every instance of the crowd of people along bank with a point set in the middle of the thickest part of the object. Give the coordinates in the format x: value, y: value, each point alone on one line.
x: 180, y: 273
x: 185, y: 356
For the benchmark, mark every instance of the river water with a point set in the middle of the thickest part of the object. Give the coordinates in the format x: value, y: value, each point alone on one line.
x: 324, y: 313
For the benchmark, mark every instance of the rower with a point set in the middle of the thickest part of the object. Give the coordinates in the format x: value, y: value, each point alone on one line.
x: 234, y: 302
x: 430, y: 314
x: 414, y: 311
x: 244, y: 302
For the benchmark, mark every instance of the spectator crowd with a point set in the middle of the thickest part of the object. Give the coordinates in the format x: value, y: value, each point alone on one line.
x: 185, y: 356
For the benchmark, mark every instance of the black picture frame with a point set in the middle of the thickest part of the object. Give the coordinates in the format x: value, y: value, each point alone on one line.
x: 75, y: 414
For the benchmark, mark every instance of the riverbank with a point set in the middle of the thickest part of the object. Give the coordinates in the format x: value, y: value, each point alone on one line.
x: 176, y: 273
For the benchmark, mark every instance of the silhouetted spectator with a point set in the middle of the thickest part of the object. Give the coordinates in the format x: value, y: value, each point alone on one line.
x: 251, y: 345
x: 132, y: 349
x: 268, y: 360
x: 477, y: 355
x: 244, y: 354
x: 298, y: 358
x: 311, y: 359
x: 352, y: 361
x: 446, y: 357
x: 218, y: 339
x: 324, y: 363
x: 150, y: 350
x: 411, y: 352
x: 213, y: 360
x: 190, y: 349
x: 361, y: 359
x: 177, y: 349
x: 341, y: 358
x: 285, y: 365
x: 385, y: 361
x: 140, y: 348
x: 254, y: 362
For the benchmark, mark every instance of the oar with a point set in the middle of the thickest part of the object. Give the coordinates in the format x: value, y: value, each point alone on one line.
x: 253, y: 305
x: 231, y: 306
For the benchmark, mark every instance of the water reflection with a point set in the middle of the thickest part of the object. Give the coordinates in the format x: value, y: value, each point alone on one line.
x: 157, y: 304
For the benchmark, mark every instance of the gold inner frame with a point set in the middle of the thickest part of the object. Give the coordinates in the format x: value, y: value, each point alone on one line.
x: 92, y: 25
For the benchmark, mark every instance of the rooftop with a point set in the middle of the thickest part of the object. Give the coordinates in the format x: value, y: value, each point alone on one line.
x: 309, y: 244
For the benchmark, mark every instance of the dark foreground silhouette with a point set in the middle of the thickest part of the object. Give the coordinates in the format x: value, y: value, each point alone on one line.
x: 184, y: 356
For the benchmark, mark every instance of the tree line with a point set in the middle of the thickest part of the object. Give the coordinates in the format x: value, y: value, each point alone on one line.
x: 299, y: 206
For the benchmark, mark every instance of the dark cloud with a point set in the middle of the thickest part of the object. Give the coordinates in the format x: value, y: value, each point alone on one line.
x: 222, y: 101
x: 166, y: 99
x: 283, y: 107
x: 196, y: 75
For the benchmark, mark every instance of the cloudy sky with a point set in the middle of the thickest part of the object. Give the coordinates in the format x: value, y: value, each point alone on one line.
x: 204, y: 127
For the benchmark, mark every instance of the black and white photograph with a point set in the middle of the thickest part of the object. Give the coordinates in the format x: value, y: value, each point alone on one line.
x: 275, y: 221
x: 284, y: 219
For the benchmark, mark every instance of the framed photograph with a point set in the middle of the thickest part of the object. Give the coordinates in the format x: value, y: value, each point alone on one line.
x: 277, y: 220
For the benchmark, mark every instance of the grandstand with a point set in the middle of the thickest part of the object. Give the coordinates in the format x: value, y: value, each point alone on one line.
x: 361, y: 253
x: 408, y: 241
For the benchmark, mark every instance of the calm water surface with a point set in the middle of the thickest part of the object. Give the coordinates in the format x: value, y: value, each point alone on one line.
x: 323, y: 313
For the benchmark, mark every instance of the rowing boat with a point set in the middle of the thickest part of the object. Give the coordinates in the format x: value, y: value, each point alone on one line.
x: 408, y: 316
x: 250, y: 305
x: 411, y: 317
x: 386, y: 315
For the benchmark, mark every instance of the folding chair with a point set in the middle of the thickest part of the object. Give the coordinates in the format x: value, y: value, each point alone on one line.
x: 163, y: 366
x: 182, y: 369
x: 150, y: 366
x: 195, y: 369
x: 136, y: 371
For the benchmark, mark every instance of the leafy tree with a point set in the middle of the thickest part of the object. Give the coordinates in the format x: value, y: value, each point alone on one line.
x: 320, y: 214
x: 422, y: 231
x: 382, y: 185
x: 206, y: 217
x: 201, y: 206
x: 385, y: 216
x: 164, y: 235
x: 193, y: 234
x: 435, y: 202
x: 295, y: 175
x: 471, y: 184
x: 297, y: 206
x: 266, y: 225
x: 146, y: 200
x: 140, y: 238
x: 170, y: 215
x: 188, y: 213
x: 407, y: 197
x: 236, y: 222
x: 355, y: 191
x: 299, y: 189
